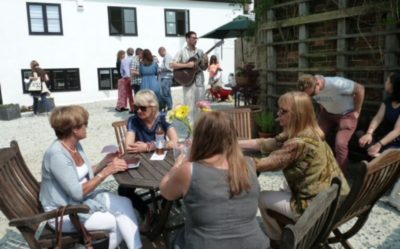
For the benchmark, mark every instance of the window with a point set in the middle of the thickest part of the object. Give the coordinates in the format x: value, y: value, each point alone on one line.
x: 176, y: 22
x: 122, y: 21
x: 108, y: 78
x: 44, y: 19
x: 60, y: 80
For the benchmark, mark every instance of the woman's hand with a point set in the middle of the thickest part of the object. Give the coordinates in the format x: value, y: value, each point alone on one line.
x: 137, y: 147
x: 365, y: 140
x: 374, y: 149
x: 116, y: 165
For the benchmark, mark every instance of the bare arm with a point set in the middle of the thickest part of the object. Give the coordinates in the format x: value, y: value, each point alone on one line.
x: 359, y: 92
x: 115, y: 166
x: 375, y: 122
x: 176, y: 182
x: 176, y: 65
x: 172, y: 136
x: 374, y: 149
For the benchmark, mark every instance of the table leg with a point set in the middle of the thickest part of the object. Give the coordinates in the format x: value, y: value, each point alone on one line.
x: 162, y: 219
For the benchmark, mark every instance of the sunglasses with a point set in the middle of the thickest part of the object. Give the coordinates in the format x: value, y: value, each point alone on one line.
x: 142, y: 108
x: 282, y: 111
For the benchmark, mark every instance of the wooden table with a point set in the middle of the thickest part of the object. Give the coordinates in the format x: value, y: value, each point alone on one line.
x: 148, y: 176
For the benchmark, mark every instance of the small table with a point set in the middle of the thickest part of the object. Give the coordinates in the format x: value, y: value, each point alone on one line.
x: 148, y: 176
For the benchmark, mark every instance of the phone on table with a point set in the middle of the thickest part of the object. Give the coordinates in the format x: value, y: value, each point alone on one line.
x: 133, y: 162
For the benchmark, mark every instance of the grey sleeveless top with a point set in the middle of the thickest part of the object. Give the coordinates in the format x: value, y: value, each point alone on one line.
x: 214, y: 219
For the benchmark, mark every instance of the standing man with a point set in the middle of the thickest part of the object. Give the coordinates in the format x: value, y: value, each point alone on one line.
x: 136, y: 79
x: 165, y: 78
x: 126, y: 64
x: 341, y: 101
x: 195, y: 92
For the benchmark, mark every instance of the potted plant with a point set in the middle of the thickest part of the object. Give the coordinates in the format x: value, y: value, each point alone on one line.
x: 246, y: 75
x: 266, y: 123
x: 9, y: 112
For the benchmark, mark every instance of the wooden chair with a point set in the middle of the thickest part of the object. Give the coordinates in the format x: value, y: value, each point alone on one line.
x: 371, y: 181
x: 120, y: 133
x: 313, y: 226
x: 19, y: 201
x: 242, y: 120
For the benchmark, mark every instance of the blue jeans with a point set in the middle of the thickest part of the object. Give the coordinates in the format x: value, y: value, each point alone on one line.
x: 36, y: 102
x: 166, y: 92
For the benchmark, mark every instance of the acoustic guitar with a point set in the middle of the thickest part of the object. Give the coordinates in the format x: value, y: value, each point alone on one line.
x: 186, y: 76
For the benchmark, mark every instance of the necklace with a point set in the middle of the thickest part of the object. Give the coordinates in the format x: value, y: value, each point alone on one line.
x: 68, y: 148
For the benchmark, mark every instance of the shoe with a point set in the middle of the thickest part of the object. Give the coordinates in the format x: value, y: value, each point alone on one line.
x: 124, y: 109
x: 118, y: 109
x: 145, y: 227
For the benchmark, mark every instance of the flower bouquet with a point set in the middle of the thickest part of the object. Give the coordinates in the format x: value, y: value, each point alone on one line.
x: 181, y: 113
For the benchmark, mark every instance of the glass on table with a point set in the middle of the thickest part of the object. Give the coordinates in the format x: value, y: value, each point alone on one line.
x: 181, y: 147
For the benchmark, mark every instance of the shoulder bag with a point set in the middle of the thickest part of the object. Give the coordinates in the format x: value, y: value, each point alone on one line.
x: 35, y: 86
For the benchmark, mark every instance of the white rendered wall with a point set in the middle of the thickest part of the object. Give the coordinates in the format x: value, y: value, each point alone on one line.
x: 87, y: 45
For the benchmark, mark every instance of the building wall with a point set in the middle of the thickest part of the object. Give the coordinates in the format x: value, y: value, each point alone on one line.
x: 87, y: 45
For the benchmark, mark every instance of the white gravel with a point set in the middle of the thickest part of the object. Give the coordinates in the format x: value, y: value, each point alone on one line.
x: 34, y: 135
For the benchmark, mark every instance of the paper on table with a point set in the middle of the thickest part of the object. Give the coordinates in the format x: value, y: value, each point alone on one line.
x: 156, y: 157
x: 111, y: 148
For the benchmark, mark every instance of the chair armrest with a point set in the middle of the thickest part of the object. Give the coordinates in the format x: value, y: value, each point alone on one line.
x: 38, y: 218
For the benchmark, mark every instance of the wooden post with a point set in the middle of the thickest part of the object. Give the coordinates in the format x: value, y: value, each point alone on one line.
x: 341, y: 44
x: 391, y: 45
x: 303, y: 34
x: 271, y: 60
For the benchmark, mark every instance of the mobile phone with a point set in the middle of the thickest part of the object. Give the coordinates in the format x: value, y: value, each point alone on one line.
x: 133, y: 162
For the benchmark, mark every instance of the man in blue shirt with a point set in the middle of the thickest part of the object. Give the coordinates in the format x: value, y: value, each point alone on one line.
x: 126, y: 75
x: 165, y: 78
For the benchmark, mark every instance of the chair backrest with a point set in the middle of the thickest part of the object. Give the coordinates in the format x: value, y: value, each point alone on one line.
x: 371, y: 181
x: 314, y: 225
x: 19, y: 190
x: 242, y: 120
x: 120, y: 133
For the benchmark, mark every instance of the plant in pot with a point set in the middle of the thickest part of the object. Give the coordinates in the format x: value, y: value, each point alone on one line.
x: 246, y: 75
x: 265, y: 121
x: 9, y: 112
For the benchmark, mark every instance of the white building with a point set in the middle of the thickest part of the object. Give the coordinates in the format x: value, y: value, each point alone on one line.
x: 76, y: 41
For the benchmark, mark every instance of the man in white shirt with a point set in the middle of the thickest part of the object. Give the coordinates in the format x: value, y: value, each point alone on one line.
x: 341, y: 101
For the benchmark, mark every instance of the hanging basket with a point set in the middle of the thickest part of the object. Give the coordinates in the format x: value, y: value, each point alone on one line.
x: 242, y: 80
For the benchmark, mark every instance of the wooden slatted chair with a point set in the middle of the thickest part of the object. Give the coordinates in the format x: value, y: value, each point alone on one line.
x: 371, y: 181
x: 19, y: 202
x: 242, y: 120
x: 120, y: 133
x: 313, y: 226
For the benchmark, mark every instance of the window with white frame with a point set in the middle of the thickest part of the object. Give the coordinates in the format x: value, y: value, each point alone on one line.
x: 44, y: 19
x: 176, y: 22
x: 122, y: 21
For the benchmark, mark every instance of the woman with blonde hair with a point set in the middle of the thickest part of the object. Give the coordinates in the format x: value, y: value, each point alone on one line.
x: 140, y: 137
x: 303, y: 155
x: 219, y: 189
x: 68, y: 177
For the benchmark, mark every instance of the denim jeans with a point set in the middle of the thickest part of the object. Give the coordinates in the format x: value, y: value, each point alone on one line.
x: 166, y: 92
x: 35, y: 106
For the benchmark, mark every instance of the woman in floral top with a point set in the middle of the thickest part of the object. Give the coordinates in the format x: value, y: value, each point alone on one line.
x: 301, y: 152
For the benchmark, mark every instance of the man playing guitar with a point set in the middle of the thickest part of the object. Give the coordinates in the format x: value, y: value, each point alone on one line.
x: 194, y: 92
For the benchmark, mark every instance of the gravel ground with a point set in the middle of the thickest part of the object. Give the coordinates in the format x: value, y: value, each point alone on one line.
x: 34, y: 135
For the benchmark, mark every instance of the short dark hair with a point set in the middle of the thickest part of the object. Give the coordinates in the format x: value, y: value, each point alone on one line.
x: 138, y: 51
x: 189, y: 34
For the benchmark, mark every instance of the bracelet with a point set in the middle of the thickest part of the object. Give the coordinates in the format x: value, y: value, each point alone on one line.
x: 100, y: 176
x: 379, y: 142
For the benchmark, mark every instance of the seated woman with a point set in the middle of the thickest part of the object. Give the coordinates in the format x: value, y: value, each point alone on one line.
x: 218, y: 90
x: 69, y: 178
x: 388, y: 115
x: 219, y: 189
x: 140, y: 137
x: 304, y: 157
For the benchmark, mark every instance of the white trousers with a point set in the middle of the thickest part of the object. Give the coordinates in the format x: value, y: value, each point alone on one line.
x: 279, y: 201
x: 120, y: 221
x: 191, y: 95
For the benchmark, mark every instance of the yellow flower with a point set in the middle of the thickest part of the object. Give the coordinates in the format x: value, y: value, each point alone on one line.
x: 182, y: 112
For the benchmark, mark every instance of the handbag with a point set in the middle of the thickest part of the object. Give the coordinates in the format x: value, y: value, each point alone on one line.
x: 87, y: 238
x: 35, y: 86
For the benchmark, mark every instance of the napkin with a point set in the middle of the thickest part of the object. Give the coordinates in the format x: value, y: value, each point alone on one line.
x: 109, y: 149
x: 156, y: 157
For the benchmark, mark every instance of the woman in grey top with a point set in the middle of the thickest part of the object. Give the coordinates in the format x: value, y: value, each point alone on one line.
x: 68, y: 178
x: 219, y: 189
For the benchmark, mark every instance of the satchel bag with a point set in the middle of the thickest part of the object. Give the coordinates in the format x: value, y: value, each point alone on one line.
x: 35, y: 86
x: 87, y: 238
